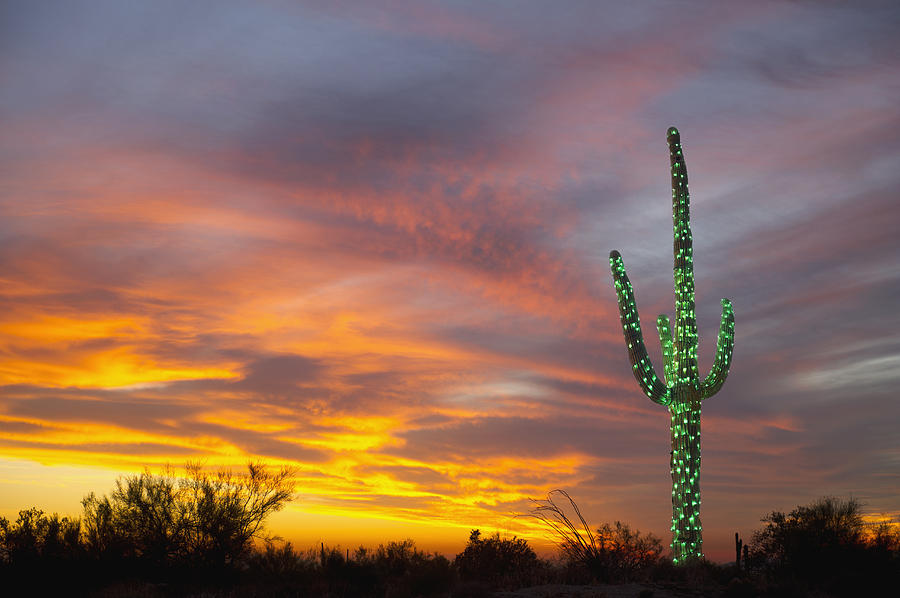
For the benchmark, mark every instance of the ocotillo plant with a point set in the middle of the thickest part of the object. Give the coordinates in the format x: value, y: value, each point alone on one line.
x: 683, y: 390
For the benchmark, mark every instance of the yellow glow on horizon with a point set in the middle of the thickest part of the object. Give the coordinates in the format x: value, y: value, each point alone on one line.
x: 446, y: 531
x: 874, y: 520
x: 307, y: 520
x: 351, y: 529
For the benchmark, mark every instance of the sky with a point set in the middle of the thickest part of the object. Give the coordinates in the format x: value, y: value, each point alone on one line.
x: 370, y: 240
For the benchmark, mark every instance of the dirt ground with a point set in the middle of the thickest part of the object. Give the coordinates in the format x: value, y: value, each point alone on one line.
x: 630, y: 590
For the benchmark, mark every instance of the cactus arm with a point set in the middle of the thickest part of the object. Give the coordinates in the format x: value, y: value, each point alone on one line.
x: 685, y: 337
x: 665, y: 342
x: 641, y: 367
x: 724, y: 350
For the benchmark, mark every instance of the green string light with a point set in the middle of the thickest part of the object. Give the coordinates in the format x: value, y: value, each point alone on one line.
x: 682, y: 391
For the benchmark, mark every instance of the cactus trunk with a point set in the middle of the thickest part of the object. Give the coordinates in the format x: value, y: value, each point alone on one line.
x: 687, y: 537
x: 683, y: 390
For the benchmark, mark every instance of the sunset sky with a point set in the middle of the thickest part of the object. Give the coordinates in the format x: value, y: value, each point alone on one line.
x: 371, y: 240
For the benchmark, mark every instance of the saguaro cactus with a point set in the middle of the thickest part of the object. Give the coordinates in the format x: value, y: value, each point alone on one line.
x: 683, y: 390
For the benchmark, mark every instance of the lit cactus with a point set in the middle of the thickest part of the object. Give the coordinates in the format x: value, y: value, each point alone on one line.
x: 683, y: 390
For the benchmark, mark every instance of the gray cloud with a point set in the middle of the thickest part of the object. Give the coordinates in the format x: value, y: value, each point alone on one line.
x: 497, y: 436
x: 129, y: 412
x: 280, y: 374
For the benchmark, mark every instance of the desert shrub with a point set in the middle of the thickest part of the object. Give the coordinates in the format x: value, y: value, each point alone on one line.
x: 393, y: 570
x: 825, y: 545
x: 627, y: 551
x: 405, y: 571
x: 801, y: 539
x: 281, y: 561
x: 612, y: 552
x: 496, y: 561
x: 278, y: 569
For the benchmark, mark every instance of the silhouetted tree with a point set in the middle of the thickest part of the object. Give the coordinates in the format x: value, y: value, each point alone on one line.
x: 225, y: 512
x: 201, y: 518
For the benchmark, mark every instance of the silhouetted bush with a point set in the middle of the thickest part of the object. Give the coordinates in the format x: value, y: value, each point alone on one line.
x: 826, y: 545
x: 497, y: 562
x: 610, y: 553
x: 393, y: 570
x: 801, y: 539
x: 410, y: 572
x: 281, y: 561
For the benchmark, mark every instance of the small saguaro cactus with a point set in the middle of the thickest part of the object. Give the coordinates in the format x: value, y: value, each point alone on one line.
x: 683, y: 390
